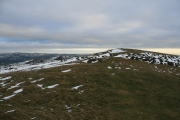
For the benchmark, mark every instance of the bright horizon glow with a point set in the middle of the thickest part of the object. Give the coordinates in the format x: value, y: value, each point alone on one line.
x: 72, y: 26
x: 173, y: 51
x: 64, y: 51
x: 78, y: 50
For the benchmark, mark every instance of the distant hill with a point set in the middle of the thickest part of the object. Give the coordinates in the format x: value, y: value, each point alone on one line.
x: 10, y: 58
x: 118, y: 84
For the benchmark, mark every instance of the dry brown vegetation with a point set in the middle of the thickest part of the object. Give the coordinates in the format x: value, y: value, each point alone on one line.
x: 135, y: 91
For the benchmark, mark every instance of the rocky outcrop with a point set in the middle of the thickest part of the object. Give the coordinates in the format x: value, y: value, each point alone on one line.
x: 153, y: 58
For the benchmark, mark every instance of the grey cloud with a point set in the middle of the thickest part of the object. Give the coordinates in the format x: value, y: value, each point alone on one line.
x: 91, y: 24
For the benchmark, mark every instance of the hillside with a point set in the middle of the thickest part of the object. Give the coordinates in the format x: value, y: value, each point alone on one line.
x: 10, y: 58
x: 118, y: 84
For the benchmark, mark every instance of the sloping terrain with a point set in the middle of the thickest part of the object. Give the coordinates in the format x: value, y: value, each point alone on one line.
x: 119, y: 84
x: 9, y: 58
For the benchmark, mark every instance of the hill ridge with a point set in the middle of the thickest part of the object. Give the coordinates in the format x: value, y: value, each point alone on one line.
x: 150, y: 57
x: 106, y: 85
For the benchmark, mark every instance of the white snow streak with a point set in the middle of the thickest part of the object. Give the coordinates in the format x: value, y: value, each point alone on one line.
x: 17, y: 85
x: 10, y: 111
x: 27, y: 67
x: 49, y: 87
x: 109, y: 67
x: 15, y: 92
x: 52, y: 86
x: 8, y: 97
x: 37, y: 80
x: 66, y: 70
x: 18, y: 91
x: 6, y: 78
x: 116, y: 51
x: 76, y: 87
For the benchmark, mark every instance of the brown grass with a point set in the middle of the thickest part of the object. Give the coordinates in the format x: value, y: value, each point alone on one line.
x: 141, y: 92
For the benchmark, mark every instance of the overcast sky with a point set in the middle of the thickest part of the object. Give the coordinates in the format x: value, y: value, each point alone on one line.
x: 77, y: 26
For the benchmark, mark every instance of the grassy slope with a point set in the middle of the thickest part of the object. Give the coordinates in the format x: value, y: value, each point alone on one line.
x: 137, y: 93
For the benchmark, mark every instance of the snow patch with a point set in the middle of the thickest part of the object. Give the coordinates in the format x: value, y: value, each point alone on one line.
x: 6, y: 78
x: 80, y: 92
x: 10, y: 111
x: 17, y: 85
x: 85, y: 61
x: 118, y: 67
x: 76, y: 87
x: 113, y: 74
x: 18, y: 91
x: 15, y: 92
x: 33, y: 118
x: 3, y: 84
x: 49, y: 87
x: 52, y: 86
x: 22, y: 66
x: 116, y: 51
x: 37, y: 80
x: 40, y: 85
x: 95, y: 61
x: 68, y: 108
x: 66, y: 70
x: 8, y: 97
x: 123, y: 56
x: 109, y: 67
